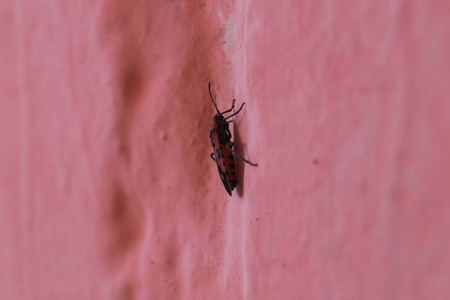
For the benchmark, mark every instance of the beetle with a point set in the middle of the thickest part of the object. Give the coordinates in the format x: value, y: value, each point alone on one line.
x: 224, y: 154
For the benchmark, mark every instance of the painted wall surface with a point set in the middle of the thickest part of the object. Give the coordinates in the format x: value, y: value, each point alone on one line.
x: 107, y: 189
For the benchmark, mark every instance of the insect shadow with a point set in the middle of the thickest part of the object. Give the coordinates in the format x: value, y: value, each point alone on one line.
x: 240, y: 165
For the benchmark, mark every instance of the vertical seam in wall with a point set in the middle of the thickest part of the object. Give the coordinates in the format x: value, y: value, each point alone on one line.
x: 24, y: 154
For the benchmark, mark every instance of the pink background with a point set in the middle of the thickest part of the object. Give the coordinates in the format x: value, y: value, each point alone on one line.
x: 107, y: 188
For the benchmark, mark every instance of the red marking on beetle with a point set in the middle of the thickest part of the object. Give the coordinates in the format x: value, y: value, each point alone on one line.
x: 224, y: 154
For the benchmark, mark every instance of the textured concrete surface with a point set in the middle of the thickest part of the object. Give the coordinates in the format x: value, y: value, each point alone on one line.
x: 107, y: 189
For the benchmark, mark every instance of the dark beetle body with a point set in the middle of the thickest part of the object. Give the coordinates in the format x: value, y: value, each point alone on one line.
x: 220, y: 137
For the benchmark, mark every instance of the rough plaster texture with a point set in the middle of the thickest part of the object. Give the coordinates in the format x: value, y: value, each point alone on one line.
x: 107, y: 188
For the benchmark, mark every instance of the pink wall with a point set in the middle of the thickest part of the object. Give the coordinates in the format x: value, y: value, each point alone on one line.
x: 108, y: 191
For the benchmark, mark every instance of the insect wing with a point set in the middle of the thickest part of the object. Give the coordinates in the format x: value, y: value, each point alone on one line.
x: 224, y: 178
x: 219, y: 161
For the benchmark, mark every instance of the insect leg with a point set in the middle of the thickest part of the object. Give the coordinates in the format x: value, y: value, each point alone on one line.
x: 232, y: 107
x: 212, y: 156
x: 240, y: 108
x: 229, y: 147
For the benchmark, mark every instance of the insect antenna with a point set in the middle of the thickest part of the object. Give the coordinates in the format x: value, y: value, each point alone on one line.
x: 212, y: 99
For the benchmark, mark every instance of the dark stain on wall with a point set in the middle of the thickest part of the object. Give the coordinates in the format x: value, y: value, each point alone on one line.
x: 124, y: 220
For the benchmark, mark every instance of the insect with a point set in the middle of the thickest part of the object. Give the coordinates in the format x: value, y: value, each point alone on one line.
x: 220, y: 137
